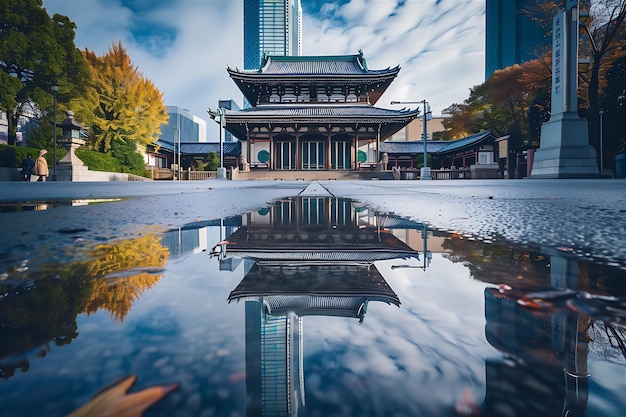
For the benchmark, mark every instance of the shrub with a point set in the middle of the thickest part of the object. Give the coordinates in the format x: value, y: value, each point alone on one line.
x: 130, y: 160
x: 12, y: 156
x: 98, y: 161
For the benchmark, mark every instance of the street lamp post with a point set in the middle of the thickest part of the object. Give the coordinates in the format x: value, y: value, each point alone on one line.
x: 219, y: 117
x: 55, y: 88
x: 178, y: 169
x: 425, y: 170
x: 428, y: 255
x: 601, y: 144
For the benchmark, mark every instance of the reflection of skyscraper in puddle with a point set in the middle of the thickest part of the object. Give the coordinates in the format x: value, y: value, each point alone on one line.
x: 312, y: 257
x: 547, y: 352
x: 193, y: 238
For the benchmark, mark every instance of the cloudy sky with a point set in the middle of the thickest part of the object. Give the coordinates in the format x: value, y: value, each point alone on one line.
x: 184, y: 46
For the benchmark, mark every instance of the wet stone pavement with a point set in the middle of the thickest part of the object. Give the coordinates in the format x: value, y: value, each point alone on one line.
x: 585, y: 217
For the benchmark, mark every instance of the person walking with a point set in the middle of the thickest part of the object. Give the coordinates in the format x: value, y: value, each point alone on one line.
x: 27, y: 168
x: 41, y: 166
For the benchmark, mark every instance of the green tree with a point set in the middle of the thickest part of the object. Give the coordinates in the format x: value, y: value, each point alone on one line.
x: 129, y: 107
x: 419, y: 160
x: 36, y: 52
x: 130, y: 159
x: 210, y: 162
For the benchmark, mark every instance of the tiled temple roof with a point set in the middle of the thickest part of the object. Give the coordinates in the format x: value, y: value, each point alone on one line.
x: 466, y: 141
x: 411, y: 147
x: 434, y: 147
x: 326, y: 65
x: 201, y: 148
x: 318, y: 71
x: 316, y: 111
x: 390, y: 121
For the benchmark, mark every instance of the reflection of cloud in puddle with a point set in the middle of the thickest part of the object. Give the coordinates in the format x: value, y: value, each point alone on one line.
x: 45, y: 205
x: 437, y: 334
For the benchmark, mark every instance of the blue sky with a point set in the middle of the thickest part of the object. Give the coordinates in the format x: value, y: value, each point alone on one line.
x: 184, y: 46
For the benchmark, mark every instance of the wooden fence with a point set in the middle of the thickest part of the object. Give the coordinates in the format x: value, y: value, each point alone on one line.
x: 451, y: 174
x: 198, y: 175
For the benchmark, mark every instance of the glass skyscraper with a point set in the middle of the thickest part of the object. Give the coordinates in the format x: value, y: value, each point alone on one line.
x: 512, y: 35
x: 183, y: 126
x: 271, y: 27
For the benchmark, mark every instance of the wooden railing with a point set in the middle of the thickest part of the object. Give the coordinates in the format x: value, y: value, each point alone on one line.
x: 198, y: 175
x: 170, y: 174
x: 451, y: 174
x: 162, y: 173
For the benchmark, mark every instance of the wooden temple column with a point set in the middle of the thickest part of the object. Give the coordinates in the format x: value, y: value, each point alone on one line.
x: 378, y: 144
x: 327, y: 164
x: 271, y: 165
x: 248, y: 145
x: 355, y: 153
x: 298, y: 156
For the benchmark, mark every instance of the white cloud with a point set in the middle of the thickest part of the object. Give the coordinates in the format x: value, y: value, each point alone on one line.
x: 438, y: 43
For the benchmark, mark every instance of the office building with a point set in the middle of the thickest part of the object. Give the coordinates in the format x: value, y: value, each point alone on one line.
x: 183, y: 126
x: 511, y: 35
x: 271, y: 27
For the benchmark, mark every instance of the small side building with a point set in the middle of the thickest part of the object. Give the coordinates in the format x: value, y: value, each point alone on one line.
x: 475, y: 156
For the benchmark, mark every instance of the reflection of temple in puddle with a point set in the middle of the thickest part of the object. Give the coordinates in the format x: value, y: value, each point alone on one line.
x: 306, y: 256
x: 548, y: 352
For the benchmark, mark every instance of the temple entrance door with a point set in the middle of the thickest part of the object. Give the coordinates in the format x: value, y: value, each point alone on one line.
x: 285, y: 155
x: 312, y: 155
x: 340, y: 155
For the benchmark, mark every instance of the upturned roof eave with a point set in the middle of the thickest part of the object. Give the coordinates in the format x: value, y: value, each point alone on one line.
x: 261, y: 118
x: 315, y: 120
x: 273, y: 77
x: 389, y: 125
x: 468, y: 141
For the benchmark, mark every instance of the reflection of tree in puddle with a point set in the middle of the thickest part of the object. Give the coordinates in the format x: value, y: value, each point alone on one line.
x: 43, y: 309
x: 117, y: 292
x: 499, y: 263
x: 550, y: 313
x: 609, y: 338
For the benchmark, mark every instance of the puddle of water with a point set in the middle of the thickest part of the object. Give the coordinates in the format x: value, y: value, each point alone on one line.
x: 318, y: 306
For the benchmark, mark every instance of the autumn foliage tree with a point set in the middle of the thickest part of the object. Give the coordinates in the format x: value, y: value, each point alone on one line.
x: 129, y: 108
x: 507, y: 104
x: 118, y: 294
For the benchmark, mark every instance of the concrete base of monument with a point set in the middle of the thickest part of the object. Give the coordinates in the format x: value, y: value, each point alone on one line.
x: 69, y: 172
x: 565, y: 151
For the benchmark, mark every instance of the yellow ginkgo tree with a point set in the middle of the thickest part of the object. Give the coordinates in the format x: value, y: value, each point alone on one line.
x: 130, y: 107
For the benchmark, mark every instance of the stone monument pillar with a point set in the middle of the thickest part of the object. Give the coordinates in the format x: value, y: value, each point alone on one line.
x: 565, y: 151
x: 70, y: 167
